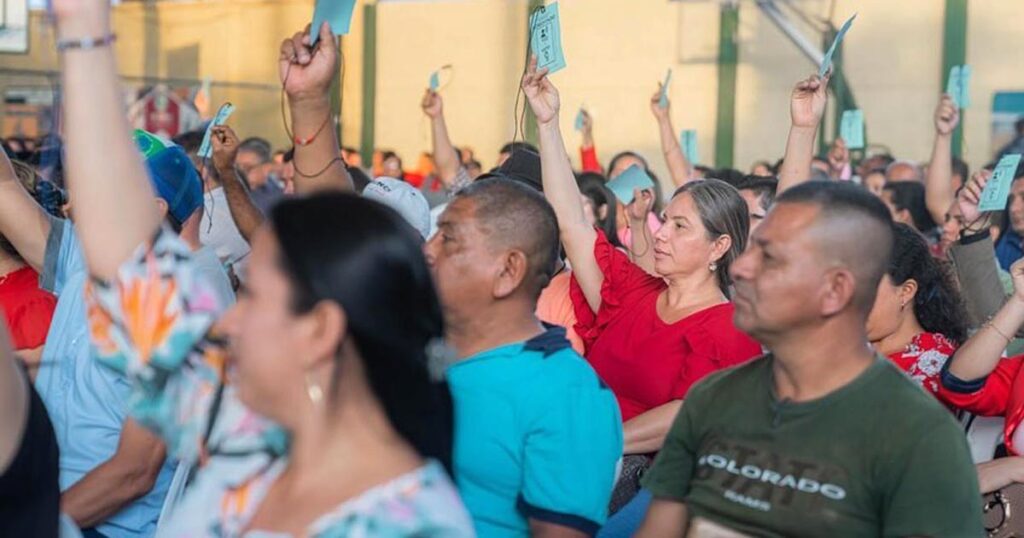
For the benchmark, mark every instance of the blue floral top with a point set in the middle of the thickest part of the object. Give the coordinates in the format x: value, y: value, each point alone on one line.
x: 154, y: 323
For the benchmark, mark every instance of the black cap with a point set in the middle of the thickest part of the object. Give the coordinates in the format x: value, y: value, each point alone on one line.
x: 523, y: 166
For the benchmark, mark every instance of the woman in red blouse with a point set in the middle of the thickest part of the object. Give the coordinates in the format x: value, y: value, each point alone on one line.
x: 918, y: 319
x: 27, y: 308
x: 979, y: 380
x: 649, y: 337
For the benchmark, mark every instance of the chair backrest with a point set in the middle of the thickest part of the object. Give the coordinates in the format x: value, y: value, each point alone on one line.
x: 983, y: 435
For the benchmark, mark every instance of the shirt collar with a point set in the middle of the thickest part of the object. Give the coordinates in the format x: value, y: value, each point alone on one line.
x: 549, y: 342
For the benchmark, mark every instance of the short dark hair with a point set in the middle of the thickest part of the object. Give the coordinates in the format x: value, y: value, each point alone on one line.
x: 259, y: 146
x: 909, y: 195
x: 729, y: 175
x: 359, y: 178
x: 856, y: 228
x: 513, y: 147
x: 764, y: 187
x: 722, y: 212
x: 518, y: 216
x: 961, y: 169
x: 190, y: 141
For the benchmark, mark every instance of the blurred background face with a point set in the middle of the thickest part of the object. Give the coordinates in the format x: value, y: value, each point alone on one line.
x: 589, y: 211
x: 874, y: 182
x: 623, y: 164
x: 898, y: 215
x: 681, y: 245
x: 951, y: 226
x: 903, y: 172
x: 392, y: 167
x: 754, y: 209
x: 265, y: 336
x: 1017, y: 206
x: 255, y: 170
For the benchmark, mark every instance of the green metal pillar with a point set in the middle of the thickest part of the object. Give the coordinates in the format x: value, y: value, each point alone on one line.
x: 336, y: 97
x: 728, y: 58
x: 530, y: 129
x: 367, y: 143
x: 843, y: 98
x: 954, y: 52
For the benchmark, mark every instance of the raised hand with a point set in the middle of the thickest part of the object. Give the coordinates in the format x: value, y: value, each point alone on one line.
x: 660, y: 113
x: 541, y: 93
x: 1017, y: 273
x: 307, y: 72
x: 970, y: 197
x: 432, y: 105
x: 947, y: 116
x: 225, y: 147
x: 588, y: 125
x: 838, y: 156
x: 807, y: 103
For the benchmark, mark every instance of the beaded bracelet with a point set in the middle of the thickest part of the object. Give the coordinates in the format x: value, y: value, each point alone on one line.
x: 86, y: 43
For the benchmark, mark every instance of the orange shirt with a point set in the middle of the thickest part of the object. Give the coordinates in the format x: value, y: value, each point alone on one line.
x: 555, y: 307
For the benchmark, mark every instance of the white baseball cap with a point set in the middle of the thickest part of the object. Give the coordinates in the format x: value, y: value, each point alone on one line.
x: 407, y: 200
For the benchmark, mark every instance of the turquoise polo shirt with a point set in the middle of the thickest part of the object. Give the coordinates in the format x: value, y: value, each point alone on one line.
x: 537, y: 435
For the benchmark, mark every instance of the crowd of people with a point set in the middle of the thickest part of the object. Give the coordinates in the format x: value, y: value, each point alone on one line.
x: 269, y: 344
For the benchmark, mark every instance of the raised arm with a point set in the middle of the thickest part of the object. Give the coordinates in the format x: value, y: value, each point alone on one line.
x: 641, y: 252
x: 446, y: 157
x: 22, y: 221
x: 560, y: 187
x: 806, y: 108
x: 588, y: 151
x: 307, y: 73
x: 678, y: 166
x: 980, y: 355
x: 938, y: 193
x: 246, y: 215
x: 115, y: 210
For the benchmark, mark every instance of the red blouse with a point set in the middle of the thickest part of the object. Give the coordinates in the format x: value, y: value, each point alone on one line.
x: 924, y: 358
x: 27, y: 307
x: 647, y: 362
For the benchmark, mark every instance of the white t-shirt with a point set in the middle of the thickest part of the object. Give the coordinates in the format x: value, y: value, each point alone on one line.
x: 219, y: 232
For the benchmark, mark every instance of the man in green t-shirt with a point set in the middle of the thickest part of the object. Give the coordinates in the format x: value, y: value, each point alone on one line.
x: 821, y: 437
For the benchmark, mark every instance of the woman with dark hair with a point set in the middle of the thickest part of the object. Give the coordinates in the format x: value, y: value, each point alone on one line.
x: 906, y: 202
x: 649, y: 337
x: 311, y: 407
x: 918, y: 319
x: 599, y: 204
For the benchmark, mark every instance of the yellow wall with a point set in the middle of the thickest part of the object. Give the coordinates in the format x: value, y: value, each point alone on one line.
x: 616, y: 55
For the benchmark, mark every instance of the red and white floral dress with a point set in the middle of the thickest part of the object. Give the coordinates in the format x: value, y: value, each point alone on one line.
x: 924, y: 358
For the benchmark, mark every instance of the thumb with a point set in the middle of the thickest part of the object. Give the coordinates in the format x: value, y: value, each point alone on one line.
x: 327, y: 38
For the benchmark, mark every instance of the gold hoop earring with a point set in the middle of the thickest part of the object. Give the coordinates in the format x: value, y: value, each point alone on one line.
x: 315, y: 393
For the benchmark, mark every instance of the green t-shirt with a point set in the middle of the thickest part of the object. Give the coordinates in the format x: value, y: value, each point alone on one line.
x: 878, y: 457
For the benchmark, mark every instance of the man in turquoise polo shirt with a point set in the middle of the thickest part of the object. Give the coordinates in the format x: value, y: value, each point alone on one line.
x: 114, y: 474
x: 538, y: 436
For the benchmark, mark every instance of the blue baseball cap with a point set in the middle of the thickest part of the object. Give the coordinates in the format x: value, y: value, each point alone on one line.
x: 172, y: 174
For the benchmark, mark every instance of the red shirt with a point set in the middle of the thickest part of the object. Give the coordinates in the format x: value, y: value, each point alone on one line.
x: 647, y: 362
x: 1001, y: 396
x: 27, y: 307
x: 924, y: 358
